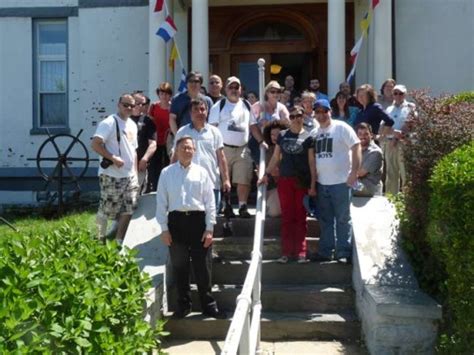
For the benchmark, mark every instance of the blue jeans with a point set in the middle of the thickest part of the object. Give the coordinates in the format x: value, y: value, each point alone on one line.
x: 334, y: 202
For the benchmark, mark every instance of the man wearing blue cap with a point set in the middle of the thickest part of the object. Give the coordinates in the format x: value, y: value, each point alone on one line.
x: 338, y: 156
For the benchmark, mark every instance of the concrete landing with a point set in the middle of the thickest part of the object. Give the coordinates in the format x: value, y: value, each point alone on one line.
x: 269, y: 348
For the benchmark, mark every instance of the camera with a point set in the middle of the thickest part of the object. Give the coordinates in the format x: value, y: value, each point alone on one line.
x: 105, y: 163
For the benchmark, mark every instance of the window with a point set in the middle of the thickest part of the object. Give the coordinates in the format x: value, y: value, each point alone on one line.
x: 269, y: 31
x: 50, y: 74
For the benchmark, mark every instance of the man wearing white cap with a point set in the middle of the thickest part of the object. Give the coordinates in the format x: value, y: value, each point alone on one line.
x: 399, y: 111
x: 234, y: 119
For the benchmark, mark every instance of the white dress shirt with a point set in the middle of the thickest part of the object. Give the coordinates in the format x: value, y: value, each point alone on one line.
x: 185, y: 189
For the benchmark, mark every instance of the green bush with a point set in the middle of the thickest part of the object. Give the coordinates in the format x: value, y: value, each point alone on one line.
x: 63, y: 292
x: 466, y: 96
x: 451, y: 237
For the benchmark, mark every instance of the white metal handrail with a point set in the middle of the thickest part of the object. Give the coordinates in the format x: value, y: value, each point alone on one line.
x: 243, y: 336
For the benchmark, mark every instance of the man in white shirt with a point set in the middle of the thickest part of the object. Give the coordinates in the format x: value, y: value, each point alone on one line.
x: 338, y: 157
x: 115, y: 140
x: 235, y: 120
x: 209, y: 146
x: 186, y: 213
x: 399, y: 111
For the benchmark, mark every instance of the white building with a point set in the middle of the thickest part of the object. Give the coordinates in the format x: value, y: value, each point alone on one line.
x: 64, y: 63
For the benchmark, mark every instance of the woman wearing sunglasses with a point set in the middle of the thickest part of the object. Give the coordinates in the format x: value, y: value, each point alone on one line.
x: 291, y: 154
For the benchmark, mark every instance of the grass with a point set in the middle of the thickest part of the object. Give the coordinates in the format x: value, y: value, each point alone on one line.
x: 33, y: 221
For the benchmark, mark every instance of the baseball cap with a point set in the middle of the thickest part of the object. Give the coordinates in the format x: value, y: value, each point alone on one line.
x: 401, y: 88
x: 322, y: 103
x: 231, y: 80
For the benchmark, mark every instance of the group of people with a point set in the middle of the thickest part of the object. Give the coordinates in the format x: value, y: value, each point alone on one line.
x: 314, y: 147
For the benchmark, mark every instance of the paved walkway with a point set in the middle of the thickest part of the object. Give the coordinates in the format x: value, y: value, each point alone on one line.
x: 176, y: 347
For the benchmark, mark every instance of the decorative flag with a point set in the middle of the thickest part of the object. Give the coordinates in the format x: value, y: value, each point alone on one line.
x: 375, y: 3
x: 365, y: 23
x: 182, y: 84
x: 173, y: 56
x: 159, y: 5
x: 356, y: 49
x: 167, y: 29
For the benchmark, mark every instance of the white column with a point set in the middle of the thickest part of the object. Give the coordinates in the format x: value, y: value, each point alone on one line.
x: 200, y: 38
x: 157, y: 51
x: 336, y: 45
x: 382, y: 32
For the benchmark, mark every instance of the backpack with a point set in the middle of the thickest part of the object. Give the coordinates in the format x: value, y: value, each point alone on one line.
x: 222, y: 104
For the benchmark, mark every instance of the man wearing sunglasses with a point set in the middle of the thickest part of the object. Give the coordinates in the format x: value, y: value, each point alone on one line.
x: 215, y: 88
x: 399, y: 112
x: 180, y: 114
x: 115, y: 140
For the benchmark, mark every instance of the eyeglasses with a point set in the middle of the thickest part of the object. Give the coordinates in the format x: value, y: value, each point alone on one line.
x: 194, y: 81
x: 235, y: 87
x: 397, y: 93
x: 214, y: 83
x: 127, y: 105
x: 298, y: 115
x: 274, y: 91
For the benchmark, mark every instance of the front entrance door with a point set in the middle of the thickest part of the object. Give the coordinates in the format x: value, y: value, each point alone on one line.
x: 245, y: 67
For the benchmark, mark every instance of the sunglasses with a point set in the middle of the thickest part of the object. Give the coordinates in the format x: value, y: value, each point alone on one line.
x: 298, y: 115
x: 398, y: 93
x: 126, y: 105
x: 274, y: 91
x: 213, y: 82
x: 234, y: 87
x: 194, y: 81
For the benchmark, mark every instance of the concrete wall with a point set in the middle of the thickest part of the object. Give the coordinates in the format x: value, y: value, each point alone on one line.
x: 433, y: 48
x: 434, y: 45
x: 107, y: 56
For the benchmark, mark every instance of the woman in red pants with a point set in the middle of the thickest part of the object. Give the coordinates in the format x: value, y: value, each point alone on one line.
x: 295, y: 181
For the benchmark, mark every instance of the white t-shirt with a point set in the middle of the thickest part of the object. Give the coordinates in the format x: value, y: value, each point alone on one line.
x: 399, y: 114
x: 333, y: 152
x: 128, y: 144
x: 233, y: 121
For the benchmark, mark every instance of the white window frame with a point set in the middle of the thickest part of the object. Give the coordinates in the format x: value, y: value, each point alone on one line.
x: 38, y: 127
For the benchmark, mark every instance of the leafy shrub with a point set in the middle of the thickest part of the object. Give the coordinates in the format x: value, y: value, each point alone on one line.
x: 450, y: 234
x: 466, y: 96
x: 435, y: 132
x: 61, y: 291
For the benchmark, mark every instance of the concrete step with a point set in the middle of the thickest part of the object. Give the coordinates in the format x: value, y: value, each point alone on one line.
x: 274, y: 326
x: 245, y: 227
x: 211, y: 347
x: 281, y: 298
x: 233, y: 272
x: 234, y: 248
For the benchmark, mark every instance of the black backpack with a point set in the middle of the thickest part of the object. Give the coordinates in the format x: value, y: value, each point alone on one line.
x: 222, y: 104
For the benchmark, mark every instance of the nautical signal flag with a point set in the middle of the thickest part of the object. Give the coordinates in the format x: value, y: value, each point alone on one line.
x: 159, y: 5
x: 173, y: 56
x: 167, y: 29
x: 375, y: 3
x: 182, y: 84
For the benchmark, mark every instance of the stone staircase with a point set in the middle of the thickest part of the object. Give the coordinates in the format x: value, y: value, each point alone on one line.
x: 309, y: 302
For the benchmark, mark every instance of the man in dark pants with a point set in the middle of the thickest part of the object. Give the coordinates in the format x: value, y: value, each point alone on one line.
x: 186, y: 213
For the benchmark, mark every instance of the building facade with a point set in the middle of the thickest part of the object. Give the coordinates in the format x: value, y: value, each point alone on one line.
x: 64, y: 63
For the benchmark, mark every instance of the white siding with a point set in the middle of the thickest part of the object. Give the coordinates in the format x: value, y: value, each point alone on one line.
x: 434, y: 44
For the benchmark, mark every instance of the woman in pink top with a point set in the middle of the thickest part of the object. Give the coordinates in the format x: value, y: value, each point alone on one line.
x: 160, y: 112
x: 272, y: 109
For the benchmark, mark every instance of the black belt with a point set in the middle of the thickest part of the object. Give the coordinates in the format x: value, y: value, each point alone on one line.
x: 234, y: 146
x: 187, y: 213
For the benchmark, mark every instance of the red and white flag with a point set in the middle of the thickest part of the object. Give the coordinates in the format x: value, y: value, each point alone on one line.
x: 159, y: 5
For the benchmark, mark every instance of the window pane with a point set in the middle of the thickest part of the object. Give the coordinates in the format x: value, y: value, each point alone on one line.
x: 53, y: 76
x: 269, y: 31
x: 52, y: 39
x: 53, y: 109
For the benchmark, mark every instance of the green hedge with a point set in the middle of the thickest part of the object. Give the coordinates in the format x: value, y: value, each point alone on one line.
x: 451, y: 237
x: 63, y: 292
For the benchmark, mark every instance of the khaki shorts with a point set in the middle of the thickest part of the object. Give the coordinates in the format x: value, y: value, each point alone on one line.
x: 240, y: 164
x: 117, y: 195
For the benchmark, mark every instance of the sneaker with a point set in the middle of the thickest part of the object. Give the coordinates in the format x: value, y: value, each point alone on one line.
x: 243, y: 212
x: 302, y: 260
x: 345, y: 260
x: 229, y: 212
x: 215, y: 313
x: 282, y: 260
x: 320, y: 258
